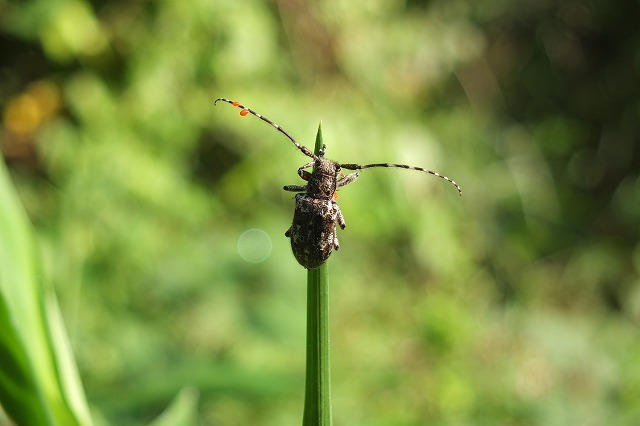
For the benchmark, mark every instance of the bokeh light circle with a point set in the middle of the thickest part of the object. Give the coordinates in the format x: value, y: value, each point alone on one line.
x: 254, y: 245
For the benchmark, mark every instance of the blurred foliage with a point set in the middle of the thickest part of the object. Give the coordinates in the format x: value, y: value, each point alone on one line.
x: 518, y: 303
x: 39, y: 382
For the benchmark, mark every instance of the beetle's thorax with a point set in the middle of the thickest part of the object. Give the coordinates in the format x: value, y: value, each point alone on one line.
x: 322, y: 183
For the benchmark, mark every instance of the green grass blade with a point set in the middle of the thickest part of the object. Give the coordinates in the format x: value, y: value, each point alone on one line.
x: 39, y: 383
x: 183, y: 410
x: 317, y: 401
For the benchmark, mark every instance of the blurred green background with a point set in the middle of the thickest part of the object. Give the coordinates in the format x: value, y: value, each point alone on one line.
x: 517, y: 304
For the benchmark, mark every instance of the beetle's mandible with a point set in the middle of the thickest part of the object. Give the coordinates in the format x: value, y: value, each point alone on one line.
x: 313, y: 231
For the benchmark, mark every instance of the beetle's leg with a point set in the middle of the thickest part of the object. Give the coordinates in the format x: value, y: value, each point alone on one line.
x: 295, y: 188
x: 339, y: 216
x: 303, y: 173
x: 346, y: 180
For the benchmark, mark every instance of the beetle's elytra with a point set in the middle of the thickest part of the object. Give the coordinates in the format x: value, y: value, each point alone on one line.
x: 313, y: 230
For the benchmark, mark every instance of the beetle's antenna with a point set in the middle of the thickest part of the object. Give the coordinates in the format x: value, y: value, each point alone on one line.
x: 244, y: 110
x: 401, y: 166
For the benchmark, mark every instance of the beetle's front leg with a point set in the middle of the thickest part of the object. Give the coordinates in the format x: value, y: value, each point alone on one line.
x: 346, y: 180
x: 303, y: 173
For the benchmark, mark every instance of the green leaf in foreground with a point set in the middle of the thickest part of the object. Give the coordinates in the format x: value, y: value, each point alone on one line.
x: 39, y: 383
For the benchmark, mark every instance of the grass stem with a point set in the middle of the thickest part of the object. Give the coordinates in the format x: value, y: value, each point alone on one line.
x: 317, y: 400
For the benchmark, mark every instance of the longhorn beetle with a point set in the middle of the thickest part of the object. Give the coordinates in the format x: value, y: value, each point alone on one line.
x: 313, y: 231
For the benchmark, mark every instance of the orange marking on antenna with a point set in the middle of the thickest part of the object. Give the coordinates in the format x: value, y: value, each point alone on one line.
x: 235, y: 103
x: 244, y: 112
